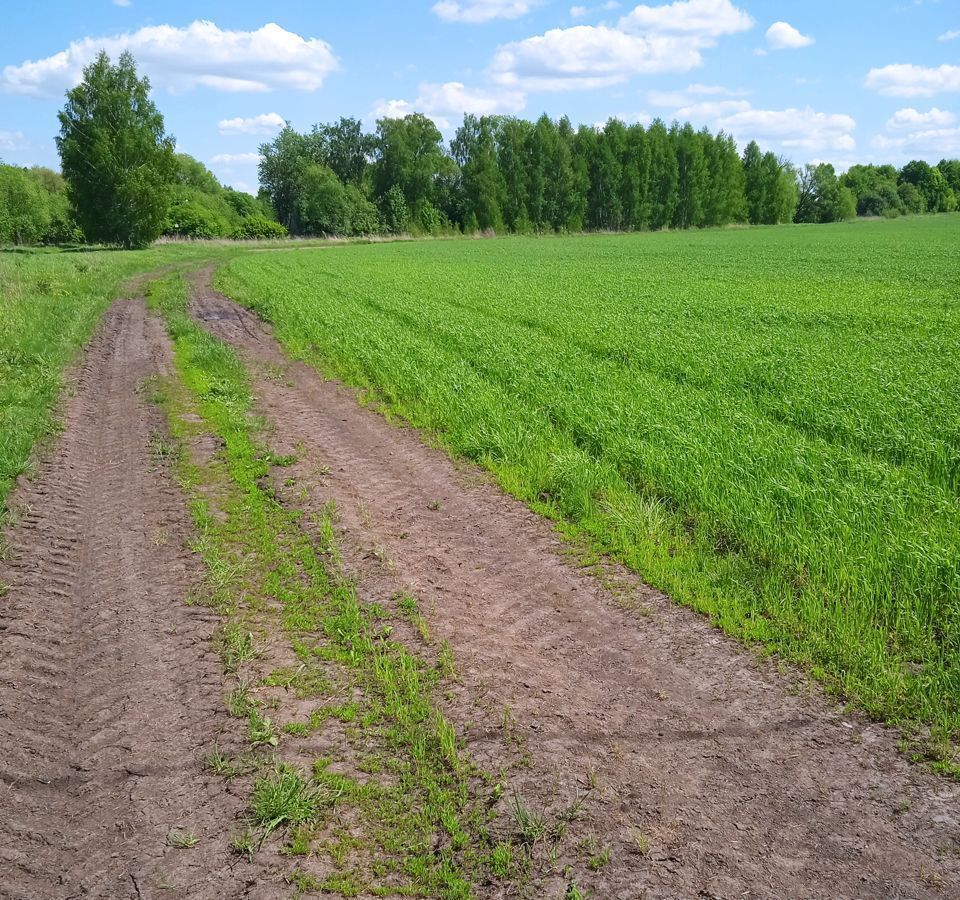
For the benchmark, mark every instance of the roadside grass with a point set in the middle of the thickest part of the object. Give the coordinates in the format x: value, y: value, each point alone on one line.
x: 397, y: 807
x: 50, y: 304
x: 762, y: 423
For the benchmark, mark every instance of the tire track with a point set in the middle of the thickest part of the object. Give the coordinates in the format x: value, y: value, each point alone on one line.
x: 109, y: 694
x: 745, y: 784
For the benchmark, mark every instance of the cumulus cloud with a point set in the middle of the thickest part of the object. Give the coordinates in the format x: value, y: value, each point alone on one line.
x: 928, y: 142
x: 200, y: 54
x: 905, y: 80
x: 265, y: 123
x: 589, y: 56
x: 13, y: 140
x: 949, y: 36
x: 904, y: 119
x: 784, y: 130
x: 480, y: 11
x: 231, y: 160
x: 783, y: 36
x: 791, y: 129
x: 647, y: 40
x: 923, y: 134
x: 445, y: 103
x: 703, y: 19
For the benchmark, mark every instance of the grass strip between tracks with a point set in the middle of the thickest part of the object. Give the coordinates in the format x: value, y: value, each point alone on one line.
x: 423, y: 809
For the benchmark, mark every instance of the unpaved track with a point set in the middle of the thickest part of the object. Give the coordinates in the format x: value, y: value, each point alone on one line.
x: 745, y: 787
x: 109, y: 693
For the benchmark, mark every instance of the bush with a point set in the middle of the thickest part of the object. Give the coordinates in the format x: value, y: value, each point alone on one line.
x: 24, y: 208
x: 258, y: 228
x: 192, y: 220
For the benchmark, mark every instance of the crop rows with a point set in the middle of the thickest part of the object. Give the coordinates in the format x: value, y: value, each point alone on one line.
x: 764, y: 423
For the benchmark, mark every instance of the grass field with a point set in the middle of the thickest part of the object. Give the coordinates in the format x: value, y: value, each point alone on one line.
x: 764, y: 423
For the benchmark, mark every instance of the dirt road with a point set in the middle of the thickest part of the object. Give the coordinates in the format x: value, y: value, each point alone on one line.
x: 744, y: 785
x: 109, y: 693
x: 702, y: 771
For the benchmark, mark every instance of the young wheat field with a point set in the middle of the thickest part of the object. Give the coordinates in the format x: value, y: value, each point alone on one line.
x: 765, y: 423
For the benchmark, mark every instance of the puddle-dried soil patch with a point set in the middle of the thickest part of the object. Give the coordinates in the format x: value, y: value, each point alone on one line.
x: 715, y: 776
x: 109, y: 695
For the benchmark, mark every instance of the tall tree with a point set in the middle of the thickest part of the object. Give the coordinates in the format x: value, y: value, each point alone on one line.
x: 344, y: 149
x: 474, y: 149
x: 664, y: 175
x: 692, y: 175
x: 117, y: 158
x: 282, y: 164
x: 513, y: 160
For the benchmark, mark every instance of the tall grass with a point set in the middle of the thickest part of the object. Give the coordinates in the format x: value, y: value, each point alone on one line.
x: 765, y: 423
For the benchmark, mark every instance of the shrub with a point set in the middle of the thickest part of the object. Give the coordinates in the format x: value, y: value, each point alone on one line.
x: 258, y: 228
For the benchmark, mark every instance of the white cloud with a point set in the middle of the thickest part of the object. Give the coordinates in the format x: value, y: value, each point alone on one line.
x: 783, y: 36
x: 447, y: 102
x: 949, y: 36
x: 201, y: 54
x: 123, y: 3
x: 709, y: 110
x: 479, y: 11
x: 647, y: 40
x: 904, y: 119
x: 589, y: 56
x: 265, y: 123
x: 790, y: 129
x: 235, y: 159
x: 13, y: 140
x: 785, y: 130
x: 702, y: 19
x: 929, y: 143
x: 578, y: 12
x: 906, y: 80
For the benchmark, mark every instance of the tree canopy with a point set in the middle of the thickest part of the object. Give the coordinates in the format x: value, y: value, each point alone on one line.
x: 118, y: 160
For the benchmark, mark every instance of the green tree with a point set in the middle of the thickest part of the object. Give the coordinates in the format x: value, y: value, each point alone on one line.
x: 874, y: 189
x: 24, y: 212
x: 410, y: 155
x: 282, y: 162
x: 601, y: 153
x: 344, y: 148
x: 513, y: 160
x: 822, y: 197
x: 117, y: 159
x: 634, y: 184
x: 930, y: 182
x: 692, y: 177
x: 484, y: 188
x: 664, y: 175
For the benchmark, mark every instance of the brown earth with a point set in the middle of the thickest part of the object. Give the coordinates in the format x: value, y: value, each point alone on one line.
x: 746, y: 783
x: 110, y: 696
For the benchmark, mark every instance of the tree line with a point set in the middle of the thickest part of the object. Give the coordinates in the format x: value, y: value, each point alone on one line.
x: 502, y: 173
x: 123, y: 183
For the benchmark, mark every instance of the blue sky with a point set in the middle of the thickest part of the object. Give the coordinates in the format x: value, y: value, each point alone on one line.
x: 838, y: 80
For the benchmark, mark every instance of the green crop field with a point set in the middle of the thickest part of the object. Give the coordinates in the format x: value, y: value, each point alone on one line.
x: 765, y: 423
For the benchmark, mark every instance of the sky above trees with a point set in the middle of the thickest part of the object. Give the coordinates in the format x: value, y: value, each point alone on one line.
x: 844, y: 82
